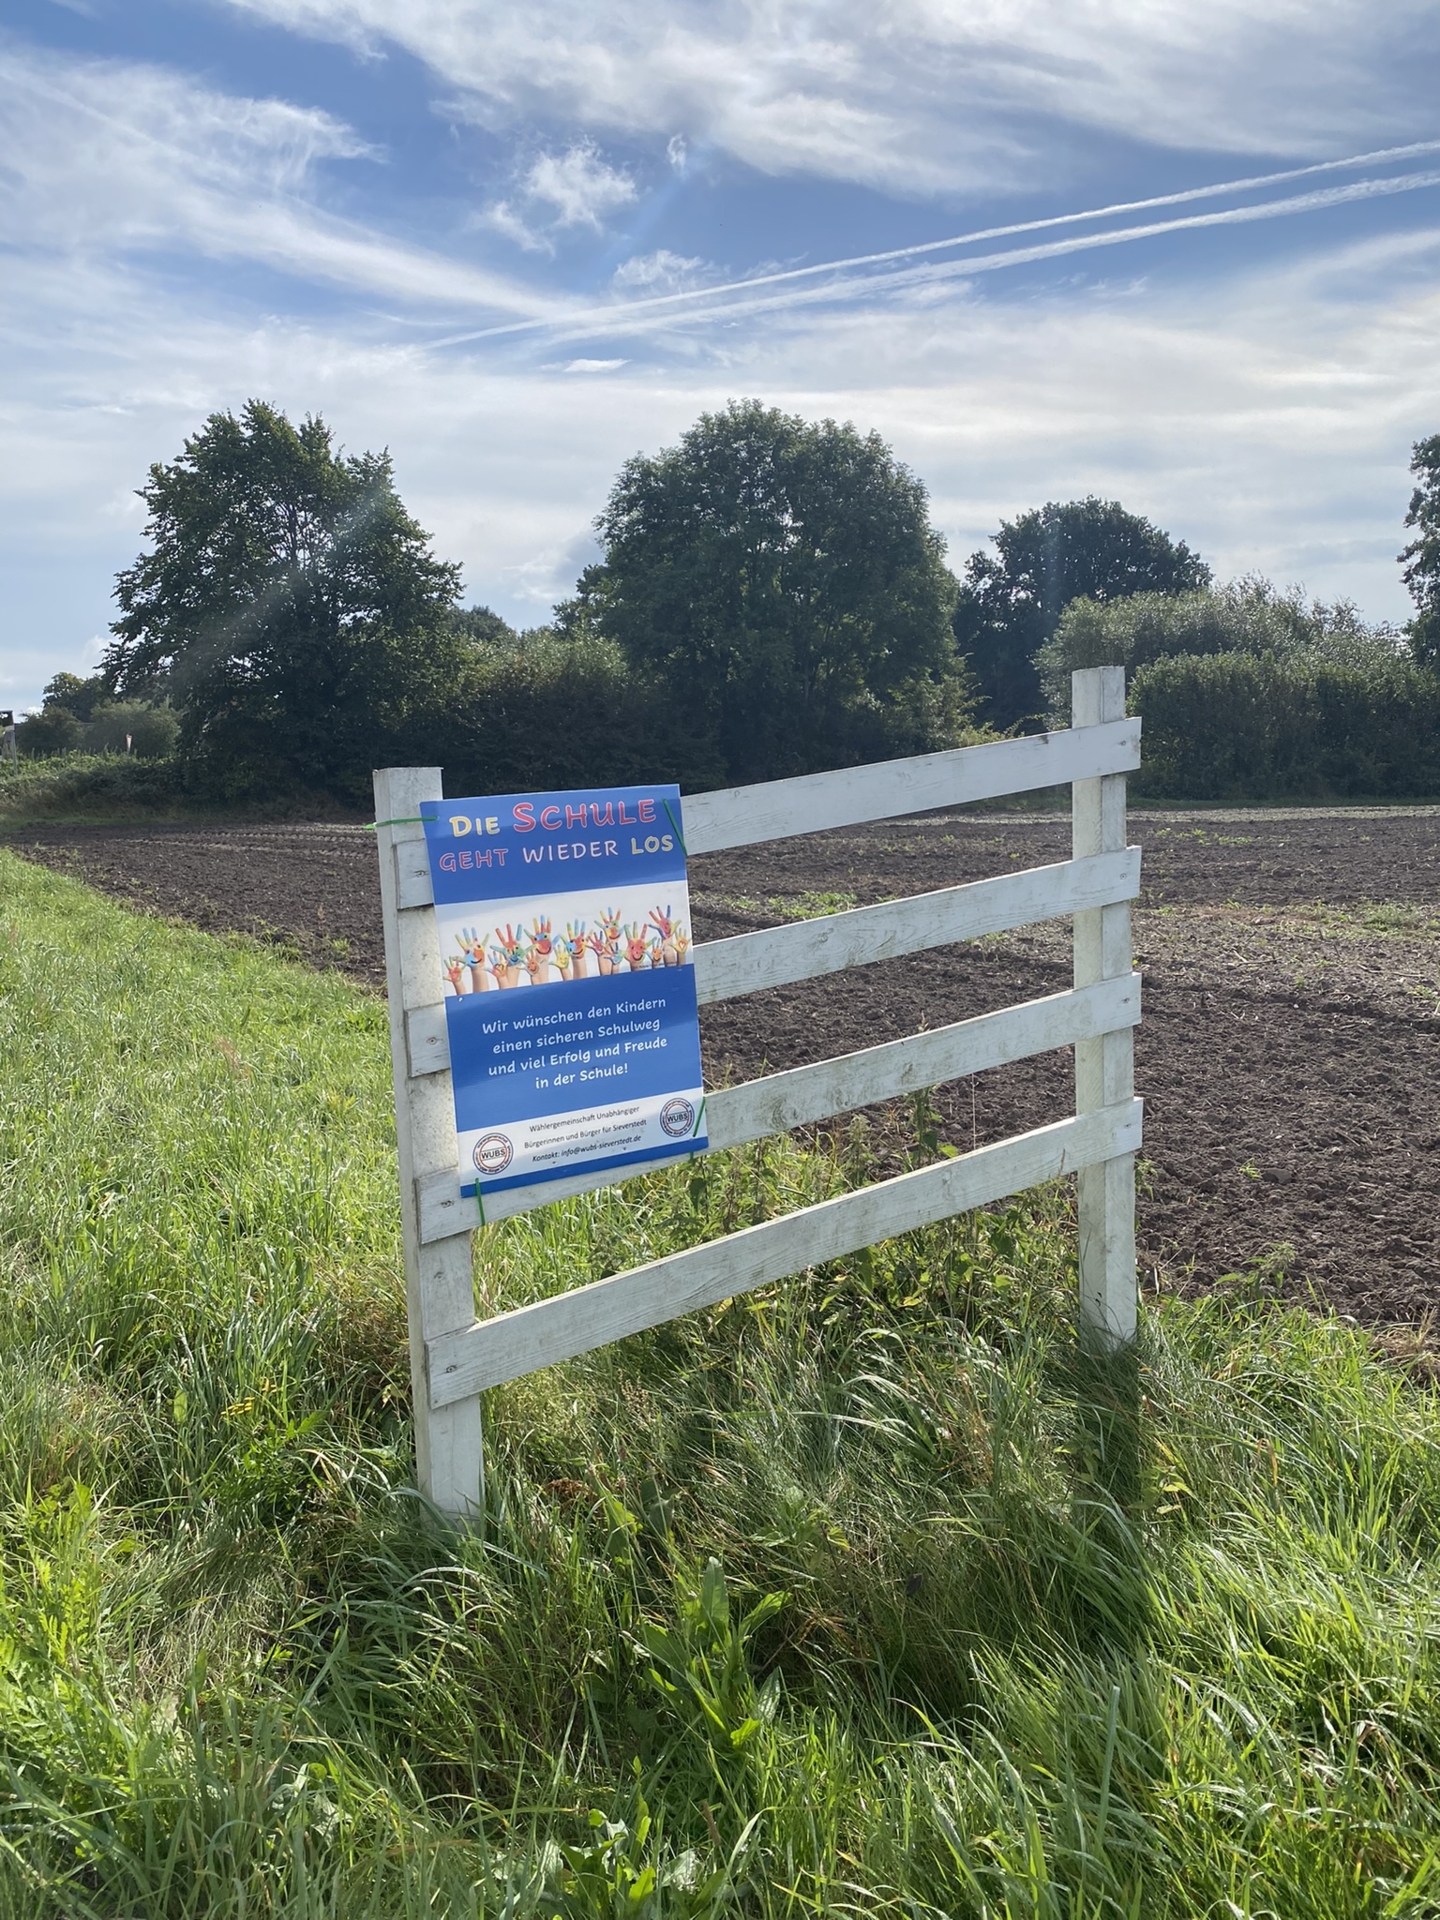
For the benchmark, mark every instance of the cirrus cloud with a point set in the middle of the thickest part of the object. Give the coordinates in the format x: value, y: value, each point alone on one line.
x: 921, y: 96
x: 126, y: 158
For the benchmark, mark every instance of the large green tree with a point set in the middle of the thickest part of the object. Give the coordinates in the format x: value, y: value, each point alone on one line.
x: 289, y: 605
x: 782, y: 579
x: 1422, y: 575
x: 1011, y: 601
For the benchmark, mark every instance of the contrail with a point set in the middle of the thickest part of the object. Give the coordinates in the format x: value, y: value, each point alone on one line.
x: 931, y: 273
x: 628, y: 316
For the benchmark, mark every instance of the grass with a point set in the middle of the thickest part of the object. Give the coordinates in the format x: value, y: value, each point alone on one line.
x: 790, y: 906
x: 84, y: 787
x: 103, y: 789
x: 1404, y: 917
x: 867, y: 1594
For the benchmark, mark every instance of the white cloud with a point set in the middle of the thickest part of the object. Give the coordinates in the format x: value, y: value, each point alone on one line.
x: 119, y: 130
x: 502, y: 217
x: 115, y: 158
x: 661, y: 272
x: 923, y: 96
x: 1264, y: 415
x: 1267, y: 419
x: 579, y: 186
x: 576, y: 188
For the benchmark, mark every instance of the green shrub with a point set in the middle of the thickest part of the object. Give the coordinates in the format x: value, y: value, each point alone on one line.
x: 129, y: 726
x: 548, y: 711
x: 134, y: 727
x: 1247, y: 616
x: 51, y: 731
x: 526, y: 711
x: 924, y: 715
x: 554, y: 710
x: 1237, y: 726
x: 77, y: 786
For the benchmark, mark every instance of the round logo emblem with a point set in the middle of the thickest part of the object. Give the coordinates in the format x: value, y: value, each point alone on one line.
x: 493, y: 1153
x: 677, y: 1117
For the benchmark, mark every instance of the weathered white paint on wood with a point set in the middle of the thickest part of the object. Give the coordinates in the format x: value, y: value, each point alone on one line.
x: 1104, y: 1066
x: 413, y: 884
x: 462, y: 1364
x: 781, y: 1101
x: 439, y: 1286
x: 779, y: 809
x: 427, y: 1040
x: 743, y: 816
x: 778, y: 956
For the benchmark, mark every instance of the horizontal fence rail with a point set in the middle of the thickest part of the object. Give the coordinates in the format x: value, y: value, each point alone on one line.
x: 861, y: 936
x: 803, y: 1095
x: 515, y: 1343
x: 780, y: 956
x: 815, y: 802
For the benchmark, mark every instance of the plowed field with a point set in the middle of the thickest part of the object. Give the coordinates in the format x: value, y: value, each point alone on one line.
x: 1290, y: 1051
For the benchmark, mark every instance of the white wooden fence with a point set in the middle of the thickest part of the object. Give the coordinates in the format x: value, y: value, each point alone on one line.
x: 454, y: 1357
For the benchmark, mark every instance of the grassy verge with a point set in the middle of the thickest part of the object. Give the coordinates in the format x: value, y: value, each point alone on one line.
x: 107, y: 789
x: 89, y: 787
x: 868, y: 1594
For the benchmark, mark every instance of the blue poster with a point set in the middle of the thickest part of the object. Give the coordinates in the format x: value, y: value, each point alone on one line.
x: 564, y: 922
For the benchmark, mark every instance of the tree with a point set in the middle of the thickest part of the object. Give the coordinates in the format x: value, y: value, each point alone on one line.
x: 782, y: 578
x: 553, y: 710
x: 50, y: 731
x: 290, y: 606
x: 484, y: 628
x: 1010, y: 605
x: 150, y: 730
x: 77, y: 696
x: 1422, y: 576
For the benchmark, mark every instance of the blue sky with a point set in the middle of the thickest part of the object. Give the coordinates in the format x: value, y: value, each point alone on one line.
x: 517, y: 243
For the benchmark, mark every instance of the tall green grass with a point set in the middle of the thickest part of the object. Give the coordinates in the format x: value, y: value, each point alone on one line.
x: 86, y: 787
x: 867, y: 1594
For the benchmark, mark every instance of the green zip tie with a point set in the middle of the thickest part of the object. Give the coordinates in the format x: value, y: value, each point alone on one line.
x: 676, y: 824
x: 698, y: 1118
x: 405, y: 820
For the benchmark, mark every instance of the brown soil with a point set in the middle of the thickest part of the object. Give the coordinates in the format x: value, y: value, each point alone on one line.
x: 1290, y: 1050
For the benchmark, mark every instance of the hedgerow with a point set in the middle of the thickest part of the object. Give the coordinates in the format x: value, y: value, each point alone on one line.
x: 1237, y: 726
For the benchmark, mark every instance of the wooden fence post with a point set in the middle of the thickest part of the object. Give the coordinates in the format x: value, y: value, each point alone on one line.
x: 439, y: 1283
x: 1104, y: 1066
